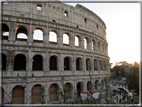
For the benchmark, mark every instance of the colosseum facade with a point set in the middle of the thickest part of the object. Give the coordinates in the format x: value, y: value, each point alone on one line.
x: 70, y: 39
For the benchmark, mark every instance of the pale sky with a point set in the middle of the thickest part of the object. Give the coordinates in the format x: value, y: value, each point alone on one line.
x: 123, y: 29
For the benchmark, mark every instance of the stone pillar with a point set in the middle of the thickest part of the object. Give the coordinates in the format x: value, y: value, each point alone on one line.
x: 30, y: 34
x: 61, y: 64
x: 73, y: 64
x: 46, y: 35
x: 89, y: 44
x: 84, y: 64
x: 46, y: 92
x: 73, y: 40
x: 26, y: 93
x: 12, y: 34
x: 46, y: 63
x: 60, y: 38
x: 82, y: 42
x: 92, y: 61
x: 29, y: 63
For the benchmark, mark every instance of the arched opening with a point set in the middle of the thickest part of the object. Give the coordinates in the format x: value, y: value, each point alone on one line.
x: 104, y: 65
x: 2, y: 95
x: 20, y: 62
x: 21, y: 33
x: 66, y: 39
x: 77, y: 41
x: 86, y: 43
x: 37, y: 62
x: 79, y: 88
x: 102, y: 48
x: 53, y: 63
x: 53, y: 37
x: 53, y: 92
x: 67, y: 63
x: 36, y: 94
x: 3, y: 62
x: 78, y: 64
x: 96, y: 84
x: 5, y: 32
x: 38, y: 35
x: 93, y: 44
x: 69, y: 89
x: 88, y: 64
x: 95, y: 65
x: 99, y: 46
x: 66, y: 14
x: 89, y: 86
x: 101, y: 65
x: 18, y: 95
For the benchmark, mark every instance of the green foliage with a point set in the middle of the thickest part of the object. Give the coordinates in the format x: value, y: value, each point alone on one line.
x: 42, y: 95
x: 63, y: 92
x: 123, y: 72
x: 132, y: 79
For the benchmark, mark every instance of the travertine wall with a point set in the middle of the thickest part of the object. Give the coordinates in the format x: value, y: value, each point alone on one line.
x: 79, y: 21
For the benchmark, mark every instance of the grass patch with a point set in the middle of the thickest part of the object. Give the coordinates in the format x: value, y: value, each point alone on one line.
x: 136, y: 100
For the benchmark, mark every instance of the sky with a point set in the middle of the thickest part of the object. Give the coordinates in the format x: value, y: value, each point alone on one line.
x: 123, y: 29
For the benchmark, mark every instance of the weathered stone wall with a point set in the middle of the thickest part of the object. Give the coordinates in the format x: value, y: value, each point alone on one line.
x: 26, y: 14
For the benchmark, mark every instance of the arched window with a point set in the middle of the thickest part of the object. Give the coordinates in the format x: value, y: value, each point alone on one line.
x: 36, y: 94
x: 89, y: 85
x: 96, y: 84
x: 78, y: 64
x: 77, y: 41
x: 37, y: 62
x: 20, y: 62
x: 68, y: 88
x: 67, y: 63
x: 53, y: 63
x: 3, y: 62
x: 53, y: 92
x: 53, y: 37
x: 18, y: 95
x: 99, y: 46
x: 86, y: 43
x: 5, y: 32
x: 66, y: 39
x: 38, y: 35
x: 101, y: 65
x: 95, y: 65
x: 79, y: 88
x: 2, y: 95
x: 93, y: 45
x: 21, y: 33
x: 88, y: 64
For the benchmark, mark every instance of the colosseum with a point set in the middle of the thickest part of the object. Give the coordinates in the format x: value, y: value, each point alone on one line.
x: 43, y: 42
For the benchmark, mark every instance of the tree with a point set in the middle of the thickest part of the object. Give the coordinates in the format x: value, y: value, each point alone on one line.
x: 122, y: 72
x: 132, y: 79
x: 136, y: 64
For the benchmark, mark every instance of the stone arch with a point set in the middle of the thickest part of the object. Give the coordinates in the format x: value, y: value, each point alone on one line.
x: 88, y: 64
x: 101, y: 65
x: 66, y: 39
x: 20, y: 62
x: 96, y: 85
x: 79, y: 87
x: 69, y: 88
x: 53, y: 37
x: 77, y: 41
x: 37, y: 63
x: 67, y: 63
x: 86, y: 43
x: 95, y: 64
x: 18, y: 95
x: 99, y: 46
x: 79, y: 64
x: 54, y: 92
x: 53, y: 62
x: 36, y: 93
x: 5, y: 31
x: 21, y: 33
x: 2, y: 94
x: 93, y: 44
x: 4, y: 57
x: 89, y: 85
x: 38, y: 35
